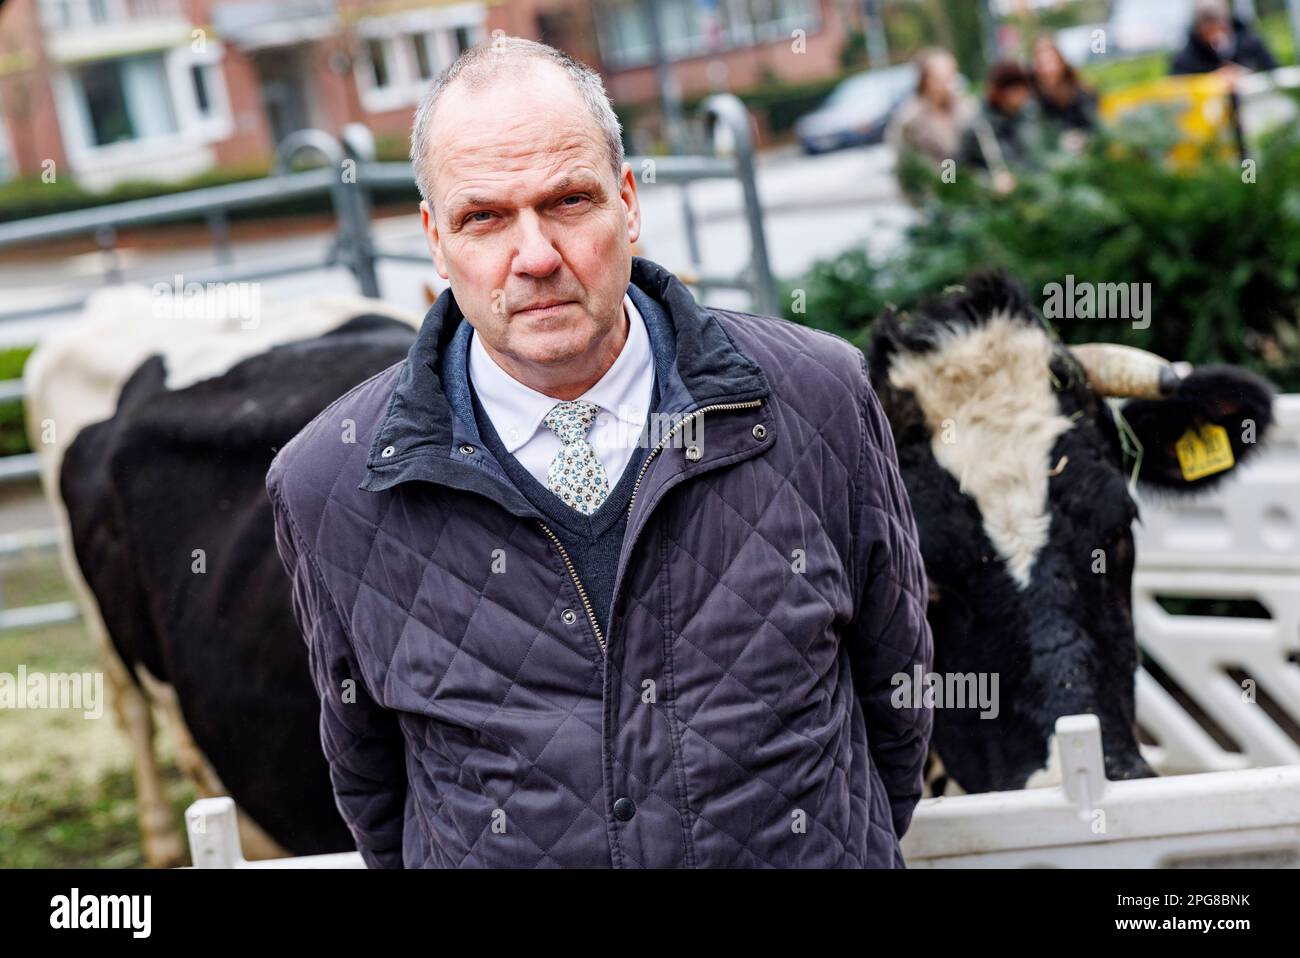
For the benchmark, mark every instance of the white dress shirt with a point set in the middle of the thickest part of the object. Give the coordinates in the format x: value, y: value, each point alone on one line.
x: 623, y: 394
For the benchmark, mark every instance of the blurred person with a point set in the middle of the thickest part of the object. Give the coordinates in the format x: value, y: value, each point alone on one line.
x: 1219, y: 42
x: 1000, y: 140
x: 1065, y: 105
x: 930, y: 123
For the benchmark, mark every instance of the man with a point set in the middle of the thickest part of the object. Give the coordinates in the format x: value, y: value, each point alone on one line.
x: 1004, y: 136
x: 607, y: 578
x: 1220, y: 42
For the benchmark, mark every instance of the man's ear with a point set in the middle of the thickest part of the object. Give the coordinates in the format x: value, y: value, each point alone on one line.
x: 1229, y: 397
x: 429, y: 224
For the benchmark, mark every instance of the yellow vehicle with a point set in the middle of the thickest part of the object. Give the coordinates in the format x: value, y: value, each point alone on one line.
x: 1201, y: 105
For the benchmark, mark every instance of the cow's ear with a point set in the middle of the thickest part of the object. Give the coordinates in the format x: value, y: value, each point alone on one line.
x: 883, y: 343
x: 1211, y: 406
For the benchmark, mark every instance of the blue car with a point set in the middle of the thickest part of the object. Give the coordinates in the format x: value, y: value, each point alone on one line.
x: 857, y: 110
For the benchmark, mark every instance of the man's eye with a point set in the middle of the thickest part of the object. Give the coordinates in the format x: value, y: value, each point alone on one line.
x: 471, y: 219
x: 576, y: 196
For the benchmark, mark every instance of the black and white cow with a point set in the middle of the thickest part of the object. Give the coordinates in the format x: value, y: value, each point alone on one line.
x: 1017, y: 474
x: 175, y: 560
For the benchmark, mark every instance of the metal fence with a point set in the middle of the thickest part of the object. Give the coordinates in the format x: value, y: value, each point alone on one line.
x: 349, y: 176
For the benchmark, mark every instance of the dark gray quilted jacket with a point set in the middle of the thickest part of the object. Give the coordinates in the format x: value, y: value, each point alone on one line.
x: 736, y: 713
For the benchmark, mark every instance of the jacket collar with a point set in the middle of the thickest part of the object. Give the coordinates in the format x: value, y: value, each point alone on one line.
x: 429, y: 432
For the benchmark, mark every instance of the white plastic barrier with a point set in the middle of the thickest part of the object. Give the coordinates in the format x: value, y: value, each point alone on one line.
x: 1218, y: 819
x: 1241, y: 542
x: 214, y: 841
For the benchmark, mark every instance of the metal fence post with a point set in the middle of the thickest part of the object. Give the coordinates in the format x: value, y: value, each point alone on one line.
x: 728, y: 109
x: 353, y: 220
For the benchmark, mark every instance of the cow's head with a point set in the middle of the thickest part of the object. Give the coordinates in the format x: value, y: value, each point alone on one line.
x: 1018, y: 471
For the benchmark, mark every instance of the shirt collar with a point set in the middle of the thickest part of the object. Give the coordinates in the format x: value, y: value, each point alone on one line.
x: 517, y: 411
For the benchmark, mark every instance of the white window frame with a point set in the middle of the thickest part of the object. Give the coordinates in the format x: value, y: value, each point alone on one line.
x: 193, y: 130
x: 219, y: 123
x: 405, y: 84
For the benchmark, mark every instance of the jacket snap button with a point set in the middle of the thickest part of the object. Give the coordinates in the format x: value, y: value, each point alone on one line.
x: 760, y: 432
x: 624, y: 809
x: 388, y: 451
x: 466, y: 449
x: 693, y: 453
x: 569, y: 616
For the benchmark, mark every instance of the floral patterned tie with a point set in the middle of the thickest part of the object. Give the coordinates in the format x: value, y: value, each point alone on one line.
x: 576, y: 475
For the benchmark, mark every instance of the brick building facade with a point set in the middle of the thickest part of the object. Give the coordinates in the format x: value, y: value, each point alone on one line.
x: 164, y: 89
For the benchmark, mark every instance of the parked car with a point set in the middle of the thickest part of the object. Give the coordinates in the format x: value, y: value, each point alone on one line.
x: 857, y: 110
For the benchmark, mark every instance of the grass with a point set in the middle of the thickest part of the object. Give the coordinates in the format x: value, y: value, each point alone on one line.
x: 13, y: 430
x: 67, y: 790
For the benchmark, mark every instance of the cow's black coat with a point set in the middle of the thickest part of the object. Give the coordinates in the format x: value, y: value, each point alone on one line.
x: 176, y: 471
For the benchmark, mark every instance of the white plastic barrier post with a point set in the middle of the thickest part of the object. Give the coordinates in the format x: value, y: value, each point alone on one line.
x: 213, y: 831
x: 1219, y: 819
x: 1241, y: 542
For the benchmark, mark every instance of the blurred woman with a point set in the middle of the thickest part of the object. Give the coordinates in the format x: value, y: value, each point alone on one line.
x: 1005, y: 136
x: 931, y: 122
x: 1064, y: 103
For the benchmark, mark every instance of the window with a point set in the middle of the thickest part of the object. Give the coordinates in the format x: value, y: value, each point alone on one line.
x: 84, y: 14
x: 464, y: 37
x: 689, y: 27
x: 402, y: 53
x: 126, y: 99
x: 423, y: 65
x: 6, y: 163
x: 202, y: 99
x: 376, y: 50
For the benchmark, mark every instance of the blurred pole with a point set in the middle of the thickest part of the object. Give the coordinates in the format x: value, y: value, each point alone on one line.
x: 669, y: 93
x: 1293, y: 14
x: 877, y: 41
x: 989, y: 31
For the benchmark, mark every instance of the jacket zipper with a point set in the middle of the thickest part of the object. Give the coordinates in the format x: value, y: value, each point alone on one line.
x: 582, y: 592
x: 669, y: 435
x: 564, y: 553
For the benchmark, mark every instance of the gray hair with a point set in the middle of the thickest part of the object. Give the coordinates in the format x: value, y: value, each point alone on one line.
x: 1211, y: 11
x: 479, y: 67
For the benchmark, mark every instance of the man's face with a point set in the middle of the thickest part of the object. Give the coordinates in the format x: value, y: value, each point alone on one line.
x: 528, y: 211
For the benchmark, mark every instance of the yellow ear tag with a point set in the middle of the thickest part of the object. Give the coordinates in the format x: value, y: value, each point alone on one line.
x: 1204, y: 453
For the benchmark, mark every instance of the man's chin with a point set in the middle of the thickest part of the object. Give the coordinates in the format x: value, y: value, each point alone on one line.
x: 553, y: 349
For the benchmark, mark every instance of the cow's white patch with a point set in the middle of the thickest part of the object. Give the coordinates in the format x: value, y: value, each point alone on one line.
x: 1050, y: 775
x: 987, y: 397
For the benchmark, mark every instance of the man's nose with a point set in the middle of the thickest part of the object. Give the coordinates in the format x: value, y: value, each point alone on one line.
x: 537, y: 255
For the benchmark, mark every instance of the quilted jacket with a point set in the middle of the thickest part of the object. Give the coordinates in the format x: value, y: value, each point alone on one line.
x: 736, y: 712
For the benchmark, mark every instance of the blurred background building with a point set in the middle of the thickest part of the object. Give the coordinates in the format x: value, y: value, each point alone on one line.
x: 164, y: 89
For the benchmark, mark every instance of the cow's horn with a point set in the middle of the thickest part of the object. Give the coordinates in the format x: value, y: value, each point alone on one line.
x: 1125, y: 371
